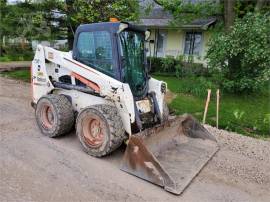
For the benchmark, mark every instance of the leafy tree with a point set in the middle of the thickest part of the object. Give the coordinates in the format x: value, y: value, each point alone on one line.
x: 90, y: 11
x: 185, y: 11
x: 57, y: 19
x: 247, y: 47
x: 3, y: 4
x: 226, y: 11
x: 240, y: 49
x: 29, y: 20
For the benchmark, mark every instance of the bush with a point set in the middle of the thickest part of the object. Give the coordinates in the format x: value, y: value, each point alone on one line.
x: 176, y: 67
x: 240, y: 59
x: 168, y: 64
x: 14, y: 52
x: 156, y: 65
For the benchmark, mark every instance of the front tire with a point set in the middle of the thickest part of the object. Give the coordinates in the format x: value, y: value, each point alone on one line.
x: 54, y: 115
x: 166, y: 112
x: 100, y: 129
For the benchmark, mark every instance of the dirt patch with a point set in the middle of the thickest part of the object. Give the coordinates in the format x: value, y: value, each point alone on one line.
x: 169, y: 96
x: 16, y: 65
x: 38, y: 168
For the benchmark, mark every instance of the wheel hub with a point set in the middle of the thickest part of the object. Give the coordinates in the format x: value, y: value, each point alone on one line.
x: 93, y: 132
x: 47, y: 116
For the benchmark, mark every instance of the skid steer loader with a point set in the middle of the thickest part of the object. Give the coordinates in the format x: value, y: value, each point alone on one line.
x: 104, y: 86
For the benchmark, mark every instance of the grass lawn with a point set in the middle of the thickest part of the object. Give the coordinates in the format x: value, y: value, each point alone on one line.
x: 26, y: 56
x: 23, y: 75
x: 249, y: 114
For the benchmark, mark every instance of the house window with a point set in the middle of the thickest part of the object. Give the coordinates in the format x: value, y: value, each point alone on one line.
x: 193, y: 43
x: 161, y: 40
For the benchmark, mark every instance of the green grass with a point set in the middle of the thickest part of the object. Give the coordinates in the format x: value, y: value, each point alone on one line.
x: 23, y: 75
x: 255, y: 109
x: 17, y: 57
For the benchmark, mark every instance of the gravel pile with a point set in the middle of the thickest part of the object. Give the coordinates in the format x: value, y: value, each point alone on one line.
x: 241, y: 157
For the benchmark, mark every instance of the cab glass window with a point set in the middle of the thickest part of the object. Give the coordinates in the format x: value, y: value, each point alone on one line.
x: 95, y: 50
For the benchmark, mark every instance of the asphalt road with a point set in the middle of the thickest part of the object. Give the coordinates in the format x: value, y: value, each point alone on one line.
x: 37, y: 168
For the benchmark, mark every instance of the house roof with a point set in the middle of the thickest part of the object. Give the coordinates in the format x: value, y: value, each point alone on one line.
x: 160, y: 18
x: 200, y: 23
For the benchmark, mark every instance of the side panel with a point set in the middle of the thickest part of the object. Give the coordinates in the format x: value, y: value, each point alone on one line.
x: 155, y: 86
x: 41, y: 85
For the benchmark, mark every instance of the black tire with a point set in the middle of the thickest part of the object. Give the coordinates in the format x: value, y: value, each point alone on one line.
x: 54, y: 115
x: 166, y: 112
x: 111, y: 131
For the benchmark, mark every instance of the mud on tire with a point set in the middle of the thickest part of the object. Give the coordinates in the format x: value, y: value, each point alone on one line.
x: 100, y: 129
x: 54, y: 115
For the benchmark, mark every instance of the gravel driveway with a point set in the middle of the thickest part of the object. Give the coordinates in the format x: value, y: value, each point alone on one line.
x: 37, y: 168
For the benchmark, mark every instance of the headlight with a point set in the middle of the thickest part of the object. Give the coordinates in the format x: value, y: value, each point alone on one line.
x: 163, y: 88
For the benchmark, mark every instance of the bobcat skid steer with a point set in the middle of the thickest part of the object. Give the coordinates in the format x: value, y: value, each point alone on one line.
x: 103, y: 87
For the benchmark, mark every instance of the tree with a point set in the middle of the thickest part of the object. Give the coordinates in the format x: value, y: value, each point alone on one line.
x: 57, y: 19
x: 28, y: 21
x: 90, y: 11
x: 229, y: 13
x: 4, y: 28
x: 226, y: 11
x: 239, y: 52
x: 185, y: 11
x: 248, y: 42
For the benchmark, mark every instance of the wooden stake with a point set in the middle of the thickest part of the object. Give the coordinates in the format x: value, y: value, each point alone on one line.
x: 206, y: 105
x: 217, y: 107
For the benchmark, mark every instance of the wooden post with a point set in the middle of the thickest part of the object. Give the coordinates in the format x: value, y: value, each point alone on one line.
x: 217, y: 107
x: 206, y: 105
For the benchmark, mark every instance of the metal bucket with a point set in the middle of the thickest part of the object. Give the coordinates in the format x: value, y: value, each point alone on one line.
x: 171, y: 154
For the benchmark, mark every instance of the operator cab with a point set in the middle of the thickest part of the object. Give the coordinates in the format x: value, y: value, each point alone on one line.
x: 116, y: 49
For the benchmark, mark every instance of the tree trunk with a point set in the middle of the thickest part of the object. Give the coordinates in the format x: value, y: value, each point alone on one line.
x: 259, y: 4
x: 70, y: 36
x: 229, y: 14
x: 229, y: 17
x: 70, y: 28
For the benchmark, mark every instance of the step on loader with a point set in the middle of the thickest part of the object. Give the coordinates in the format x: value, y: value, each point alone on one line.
x: 104, y: 87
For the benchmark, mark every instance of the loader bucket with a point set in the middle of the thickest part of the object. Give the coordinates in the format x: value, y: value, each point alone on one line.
x: 170, y: 155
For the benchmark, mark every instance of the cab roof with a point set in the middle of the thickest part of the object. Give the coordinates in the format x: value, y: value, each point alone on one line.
x: 107, y: 26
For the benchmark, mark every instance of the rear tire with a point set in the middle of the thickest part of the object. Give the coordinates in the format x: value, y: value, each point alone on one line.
x: 54, y: 115
x: 100, y: 129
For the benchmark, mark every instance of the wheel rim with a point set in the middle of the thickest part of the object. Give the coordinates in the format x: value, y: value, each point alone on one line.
x: 93, y: 131
x: 47, y: 116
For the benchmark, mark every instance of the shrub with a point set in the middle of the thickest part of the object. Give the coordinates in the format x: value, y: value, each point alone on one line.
x: 241, y: 58
x: 14, y: 52
x: 176, y: 66
x: 156, y: 65
x: 168, y: 64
